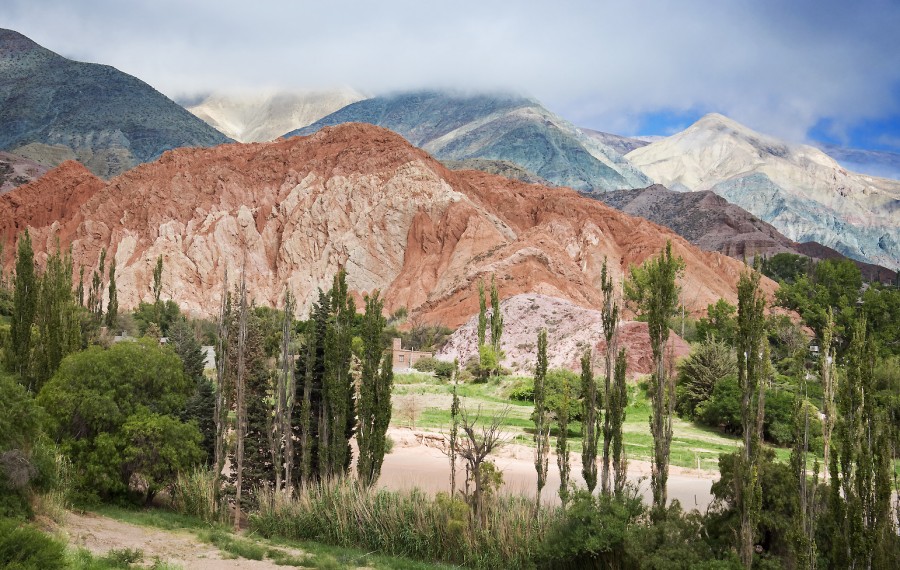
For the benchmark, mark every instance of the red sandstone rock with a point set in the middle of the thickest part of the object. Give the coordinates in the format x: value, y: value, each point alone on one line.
x: 353, y: 196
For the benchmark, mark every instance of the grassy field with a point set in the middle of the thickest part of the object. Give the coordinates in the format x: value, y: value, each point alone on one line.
x: 692, y: 445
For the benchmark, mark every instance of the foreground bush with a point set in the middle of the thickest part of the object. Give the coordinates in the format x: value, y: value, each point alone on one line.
x: 23, y: 547
x: 410, y: 524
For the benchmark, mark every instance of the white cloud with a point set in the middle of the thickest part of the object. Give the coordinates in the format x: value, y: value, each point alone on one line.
x: 778, y: 66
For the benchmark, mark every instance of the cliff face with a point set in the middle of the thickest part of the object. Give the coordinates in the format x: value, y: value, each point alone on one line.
x: 353, y: 196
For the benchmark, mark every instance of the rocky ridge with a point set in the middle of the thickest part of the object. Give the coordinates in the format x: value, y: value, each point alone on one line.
x: 355, y: 196
x: 502, y: 127
x: 798, y: 189
x: 53, y: 109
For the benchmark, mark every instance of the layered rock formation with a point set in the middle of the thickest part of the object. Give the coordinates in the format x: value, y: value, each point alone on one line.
x: 53, y: 109
x: 17, y: 170
x: 265, y: 116
x: 355, y: 196
x: 570, y: 331
x: 495, y: 127
x: 796, y: 188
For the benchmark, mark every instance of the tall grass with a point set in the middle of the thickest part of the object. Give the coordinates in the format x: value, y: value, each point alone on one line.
x: 408, y: 523
x: 194, y: 494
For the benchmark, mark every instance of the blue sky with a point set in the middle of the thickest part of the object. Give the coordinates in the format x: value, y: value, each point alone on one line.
x: 801, y: 70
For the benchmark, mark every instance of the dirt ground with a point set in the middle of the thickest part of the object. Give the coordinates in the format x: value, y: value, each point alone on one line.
x: 417, y: 461
x: 100, y: 534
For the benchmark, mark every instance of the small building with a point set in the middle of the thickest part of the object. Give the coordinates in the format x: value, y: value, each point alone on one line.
x: 405, y: 358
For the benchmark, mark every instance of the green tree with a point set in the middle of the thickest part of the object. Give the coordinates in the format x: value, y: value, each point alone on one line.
x: 609, y: 317
x: 562, y: 411
x: 57, y: 318
x: 95, y: 393
x: 618, y: 402
x: 157, y: 447
x: 25, y: 298
x: 157, y: 279
x: 861, y: 462
x: 200, y: 407
x: 337, y: 388
x: 541, y: 415
x: 719, y: 323
x: 653, y: 290
x: 590, y: 423
x: 753, y: 372
x: 496, y: 320
x: 112, y: 307
x: 374, y: 405
x: 709, y: 362
x: 482, y: 315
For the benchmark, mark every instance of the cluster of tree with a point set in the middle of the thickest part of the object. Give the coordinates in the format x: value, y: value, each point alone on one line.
x: 293, y: 423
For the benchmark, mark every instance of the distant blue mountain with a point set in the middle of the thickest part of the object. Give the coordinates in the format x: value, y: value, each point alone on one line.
x: 53, y: 109
x: 497, y: 127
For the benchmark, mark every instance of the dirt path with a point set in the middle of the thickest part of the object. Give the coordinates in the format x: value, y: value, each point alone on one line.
x: 101, y: 534
x: 416, y: 461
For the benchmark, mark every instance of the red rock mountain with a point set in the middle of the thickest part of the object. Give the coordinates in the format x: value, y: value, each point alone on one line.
x: 356, y: 196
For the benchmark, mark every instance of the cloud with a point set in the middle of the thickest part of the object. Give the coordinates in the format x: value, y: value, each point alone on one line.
x: 780, y: 67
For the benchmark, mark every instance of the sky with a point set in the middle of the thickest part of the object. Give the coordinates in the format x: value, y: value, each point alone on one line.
x: 825, y: 70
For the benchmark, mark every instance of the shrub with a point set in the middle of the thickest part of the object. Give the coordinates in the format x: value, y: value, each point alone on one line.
x: 427, y: 364
x: 23, y: 547
x: 194, y: 494
x: 591, y: 533
x: 699, y: 373
x: 522, y: 390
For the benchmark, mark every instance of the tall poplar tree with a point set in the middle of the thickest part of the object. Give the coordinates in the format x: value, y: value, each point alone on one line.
x: 562, y: 412
x: 753, y: 371
x: 56, y: 317
x: 112, y: 307
x: 861, y: 465
x: 590, y: 423
x: 618, y: 401
x: 609, y: 318
x: 496, y: 319
x: 25, y: 297
x: 653, y: 290
x: 337, y: 419
x: 541, y: 416
x: 374, y: 405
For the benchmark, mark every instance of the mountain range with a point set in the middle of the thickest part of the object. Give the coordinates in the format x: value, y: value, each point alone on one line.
x: 712, y: 223
x: 354, y: 196
x: 798, y: 189
x: 265, y: 116
x: 494, y: 127
x: 54, y: 109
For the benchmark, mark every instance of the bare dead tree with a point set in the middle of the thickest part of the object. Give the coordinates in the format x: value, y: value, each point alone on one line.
x: 454, y: 429
x: 479, y: 440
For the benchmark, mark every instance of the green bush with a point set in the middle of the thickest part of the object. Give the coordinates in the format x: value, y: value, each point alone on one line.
x: 591, y: 533
x: 522, y: 390
x: 427, y: 364
x: 23, y: 547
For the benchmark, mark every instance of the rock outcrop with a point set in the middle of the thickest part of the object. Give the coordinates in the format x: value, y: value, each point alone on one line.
x: 17, y: 170
x: 570, y: 331
x: 355, y: 196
